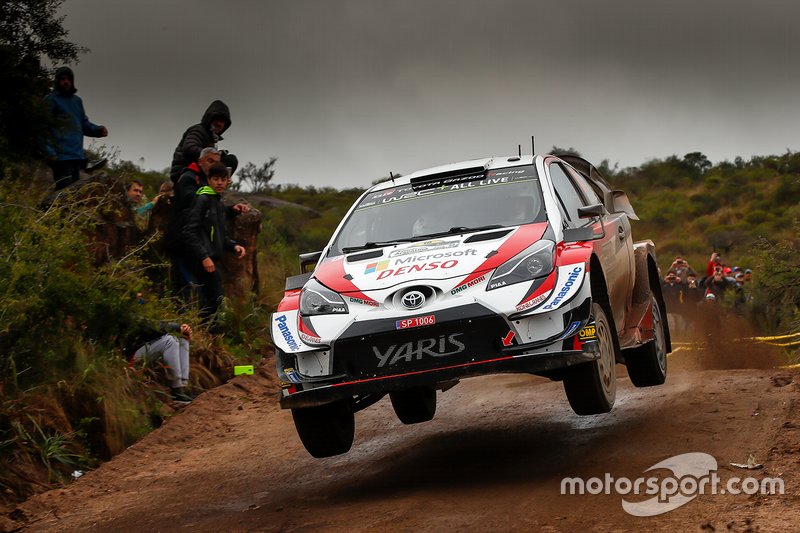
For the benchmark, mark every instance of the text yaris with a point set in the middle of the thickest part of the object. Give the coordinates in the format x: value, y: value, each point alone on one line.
x: 441, y: 346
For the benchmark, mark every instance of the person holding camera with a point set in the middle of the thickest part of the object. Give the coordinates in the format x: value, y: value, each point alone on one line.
x: 216, y: 121
x: 682, y: 269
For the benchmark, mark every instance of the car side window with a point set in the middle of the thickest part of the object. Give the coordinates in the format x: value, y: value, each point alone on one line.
x: 568, y: 195
x: 586, y: 188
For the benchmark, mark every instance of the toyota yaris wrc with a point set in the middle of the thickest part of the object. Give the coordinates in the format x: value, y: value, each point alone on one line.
x: 517, y: 264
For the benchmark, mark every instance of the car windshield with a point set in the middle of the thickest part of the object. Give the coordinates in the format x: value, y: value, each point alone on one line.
x: 497, y: 198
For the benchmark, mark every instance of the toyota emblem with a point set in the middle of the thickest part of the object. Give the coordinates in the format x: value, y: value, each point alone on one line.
x: 413, y: 300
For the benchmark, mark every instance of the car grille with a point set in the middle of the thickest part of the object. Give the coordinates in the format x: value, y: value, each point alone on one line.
x: 441, y: 345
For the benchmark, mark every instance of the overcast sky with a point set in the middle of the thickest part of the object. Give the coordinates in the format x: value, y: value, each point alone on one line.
x: 343, y: 91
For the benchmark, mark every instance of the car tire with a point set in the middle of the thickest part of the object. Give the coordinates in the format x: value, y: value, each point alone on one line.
x: 326, y: 430
x: 413, y: 406
x: 592, y: 387
x: 647, y: 364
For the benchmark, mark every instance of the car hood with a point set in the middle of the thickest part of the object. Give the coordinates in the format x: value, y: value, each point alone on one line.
x: 436, y: 259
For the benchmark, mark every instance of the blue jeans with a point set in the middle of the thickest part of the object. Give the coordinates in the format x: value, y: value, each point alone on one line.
x: 185, y: 277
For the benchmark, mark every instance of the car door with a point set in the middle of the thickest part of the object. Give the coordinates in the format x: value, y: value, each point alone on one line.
x: 615, y: 249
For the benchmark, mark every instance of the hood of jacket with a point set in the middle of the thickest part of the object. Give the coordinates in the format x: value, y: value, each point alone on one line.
x: 61, y: 71
x: 216, y: 109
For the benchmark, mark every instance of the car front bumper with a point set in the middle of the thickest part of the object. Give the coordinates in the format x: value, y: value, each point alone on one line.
x: 375, y: 358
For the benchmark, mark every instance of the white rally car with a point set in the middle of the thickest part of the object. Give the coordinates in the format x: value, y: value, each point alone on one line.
x: 514, y: 264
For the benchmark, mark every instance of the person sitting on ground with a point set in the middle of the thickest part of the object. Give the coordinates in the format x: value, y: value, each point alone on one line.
x: 63, y: 149
x: 150, y: 341
x: 207, y: 238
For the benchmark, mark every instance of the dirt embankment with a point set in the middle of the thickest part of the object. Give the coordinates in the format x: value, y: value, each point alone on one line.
x: 492, y: 459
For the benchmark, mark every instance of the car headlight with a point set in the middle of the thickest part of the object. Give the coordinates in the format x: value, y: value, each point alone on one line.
x: 316, y: 299
x: 533, y: 262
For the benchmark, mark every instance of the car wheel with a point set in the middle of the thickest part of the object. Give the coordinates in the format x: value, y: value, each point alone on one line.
x: 414, y: 405
x: 592, y: 387
x: 647, y: 364
x: 326, y: 430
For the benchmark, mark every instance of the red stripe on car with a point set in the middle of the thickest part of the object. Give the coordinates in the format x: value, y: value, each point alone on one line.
x: 545, y: 287
x: 290, y: 302
x: 523, y: 237
x: 331, y: 274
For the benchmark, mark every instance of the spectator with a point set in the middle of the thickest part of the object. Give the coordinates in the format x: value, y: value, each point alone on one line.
x: 206, y: 237
x: 682, y: 269
x: 193, y: 178
x: 671, y: 289
x: 151, y: 341
x: 718, y: 284
x: 713, y: 263
x: 692, y: 293
x: 135, y: 192
x: 216, y: 120
x: 748, y: 276
x: 63, y: 148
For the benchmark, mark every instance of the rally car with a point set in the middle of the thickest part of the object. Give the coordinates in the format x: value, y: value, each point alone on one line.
x: 515, y: 264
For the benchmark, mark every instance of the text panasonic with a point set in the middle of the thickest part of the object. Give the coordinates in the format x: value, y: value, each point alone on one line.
x: 287, y: 334
x: 571, y: 279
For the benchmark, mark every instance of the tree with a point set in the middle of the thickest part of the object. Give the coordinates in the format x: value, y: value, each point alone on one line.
x: 256, y: 179
x: 564, y: 151
x: 697, y: 163
x: 30, y: 31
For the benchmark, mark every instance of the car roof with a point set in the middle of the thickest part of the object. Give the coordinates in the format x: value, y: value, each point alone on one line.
x: 490, y: 163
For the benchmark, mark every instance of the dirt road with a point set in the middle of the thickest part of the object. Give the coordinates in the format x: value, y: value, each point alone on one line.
x: 492, y: 460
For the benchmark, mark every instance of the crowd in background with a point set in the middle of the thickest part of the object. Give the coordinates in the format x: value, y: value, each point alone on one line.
x: 196, y: 237
x: 692, y: 298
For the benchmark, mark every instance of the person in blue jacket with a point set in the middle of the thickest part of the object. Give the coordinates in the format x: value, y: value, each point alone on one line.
x: 64, y: 146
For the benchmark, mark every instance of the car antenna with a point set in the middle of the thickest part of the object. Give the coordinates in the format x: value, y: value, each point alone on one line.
x: 391, y: 176
x: 533, y: 149
x: 519, y: 149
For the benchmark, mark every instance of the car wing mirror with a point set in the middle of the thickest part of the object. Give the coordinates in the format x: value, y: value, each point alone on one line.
x: 589, y: 232
x: 309, y: 259
x: 585, y: 233
x: 590, y: 211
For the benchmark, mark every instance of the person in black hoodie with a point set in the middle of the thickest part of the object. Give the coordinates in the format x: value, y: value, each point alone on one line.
x: 207, y: 239
x: 216, y: 120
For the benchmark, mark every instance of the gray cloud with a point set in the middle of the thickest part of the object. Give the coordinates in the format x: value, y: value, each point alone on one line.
x: 344, y: 91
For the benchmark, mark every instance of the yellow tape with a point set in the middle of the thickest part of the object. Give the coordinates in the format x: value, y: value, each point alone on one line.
x: 791, y: 367
x: 794, y: 343
x: 775, y: 337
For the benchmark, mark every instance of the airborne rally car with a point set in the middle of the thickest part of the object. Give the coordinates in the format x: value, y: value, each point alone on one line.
x: 517, y: 264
